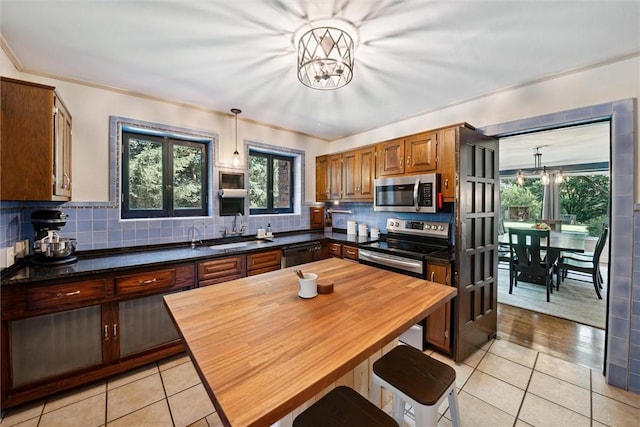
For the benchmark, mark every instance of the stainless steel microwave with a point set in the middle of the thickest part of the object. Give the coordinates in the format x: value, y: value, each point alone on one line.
x: 415, y: 193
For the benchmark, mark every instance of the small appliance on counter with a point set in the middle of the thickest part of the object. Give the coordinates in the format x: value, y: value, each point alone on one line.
x: 49, y: 248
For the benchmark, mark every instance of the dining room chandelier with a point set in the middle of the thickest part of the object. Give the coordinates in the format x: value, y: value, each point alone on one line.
x: 325, y: 55
x: 538, y: 168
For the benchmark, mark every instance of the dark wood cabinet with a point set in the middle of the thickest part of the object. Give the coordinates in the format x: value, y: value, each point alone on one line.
x: 221, y: 270
x: 349, y: 252
x: 447, y: 162
x: 65, y: 333
x: 322, y: 178
x: 438, y: 331
x: 263, y: 262
x: 340, y: 250
x: 407, y: 155
x: 420, y: 153
x: 358, y: 174
x: 36, y: 143
x: 316, y: 217
x: 390, y: 157
x: 335, y: 250
x: 335, y: 177
x: 347, y: 176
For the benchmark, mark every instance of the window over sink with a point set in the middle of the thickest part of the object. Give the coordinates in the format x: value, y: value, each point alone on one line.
x: 272, y: 182
x: 164, y: 174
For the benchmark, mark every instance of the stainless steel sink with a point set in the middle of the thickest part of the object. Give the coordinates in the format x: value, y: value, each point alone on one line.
x: 238, y: 245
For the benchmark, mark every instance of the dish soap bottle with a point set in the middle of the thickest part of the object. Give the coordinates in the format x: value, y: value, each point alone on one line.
x: 269, y: 229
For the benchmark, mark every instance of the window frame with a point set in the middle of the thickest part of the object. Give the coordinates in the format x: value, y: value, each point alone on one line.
x: 168, y: 141
x: 271, y: 156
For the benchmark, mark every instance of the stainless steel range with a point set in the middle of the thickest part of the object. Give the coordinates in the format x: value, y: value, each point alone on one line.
x: 408, y: 246
x: 407, y: 249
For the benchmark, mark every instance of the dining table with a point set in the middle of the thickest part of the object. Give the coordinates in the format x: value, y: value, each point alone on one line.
x: 262, y: 351
x: 559, y: 241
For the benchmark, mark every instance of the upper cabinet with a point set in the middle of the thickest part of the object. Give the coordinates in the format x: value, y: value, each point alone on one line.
x: 346, y: 176
x: 322, y: 178
x: 358, y: 173
x: 350, y: 175
x: 409, y: 155
x: 36, y: 143
x: 447, y: 162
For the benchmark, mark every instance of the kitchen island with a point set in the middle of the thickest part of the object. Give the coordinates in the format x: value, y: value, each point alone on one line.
x: 262, y: 351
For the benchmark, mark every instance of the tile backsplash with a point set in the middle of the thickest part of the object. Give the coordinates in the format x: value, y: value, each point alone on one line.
x: 101, y: 228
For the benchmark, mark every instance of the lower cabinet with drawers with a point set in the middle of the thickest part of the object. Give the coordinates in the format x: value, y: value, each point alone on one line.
x: 62, y: 334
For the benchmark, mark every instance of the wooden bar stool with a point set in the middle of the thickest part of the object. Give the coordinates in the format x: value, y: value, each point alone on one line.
x: 417, y: 379
x: 343, y: 406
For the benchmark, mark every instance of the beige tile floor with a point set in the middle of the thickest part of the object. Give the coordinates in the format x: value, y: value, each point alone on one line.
x: 503, y: 384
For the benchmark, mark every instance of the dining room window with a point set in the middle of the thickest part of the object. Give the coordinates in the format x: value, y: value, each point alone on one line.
x: 163, y: 175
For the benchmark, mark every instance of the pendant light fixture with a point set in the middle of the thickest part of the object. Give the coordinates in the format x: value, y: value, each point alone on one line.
x: 236, y: 155
x: 545, y: 177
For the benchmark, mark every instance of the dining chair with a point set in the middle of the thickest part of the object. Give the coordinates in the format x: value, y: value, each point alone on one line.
x: 529, y: 262
x: 504, y: 253
x: 585, y: 263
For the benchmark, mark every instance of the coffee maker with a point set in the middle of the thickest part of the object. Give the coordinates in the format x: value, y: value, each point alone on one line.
x: 49, y: 247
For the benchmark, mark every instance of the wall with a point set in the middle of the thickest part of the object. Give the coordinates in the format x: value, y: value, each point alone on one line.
x: 93, y: 216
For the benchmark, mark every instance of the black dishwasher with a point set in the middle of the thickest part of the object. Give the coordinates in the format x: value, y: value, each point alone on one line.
x: 301, y: 254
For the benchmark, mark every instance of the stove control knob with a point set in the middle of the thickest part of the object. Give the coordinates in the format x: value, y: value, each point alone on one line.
x: 397, y: 224
x: 427, y: 226
x: 441, y: 228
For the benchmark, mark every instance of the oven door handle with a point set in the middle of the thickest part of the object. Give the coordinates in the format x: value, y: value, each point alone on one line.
x: 415, y: 194
x: 415, y: 266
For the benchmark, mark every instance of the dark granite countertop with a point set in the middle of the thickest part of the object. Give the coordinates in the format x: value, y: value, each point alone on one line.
x: 123, y: 259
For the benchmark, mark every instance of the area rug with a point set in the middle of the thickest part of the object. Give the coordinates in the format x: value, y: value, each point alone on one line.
x: 576, y: 300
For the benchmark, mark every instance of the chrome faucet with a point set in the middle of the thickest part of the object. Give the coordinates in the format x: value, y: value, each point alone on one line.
x: 194, y: 241
x: 235, y: 224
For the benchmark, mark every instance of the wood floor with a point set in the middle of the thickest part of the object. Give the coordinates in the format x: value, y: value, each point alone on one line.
x: 564, y: 339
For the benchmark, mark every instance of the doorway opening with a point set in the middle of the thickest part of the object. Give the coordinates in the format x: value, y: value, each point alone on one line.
x: 573, y: 199
x: 559, y: 178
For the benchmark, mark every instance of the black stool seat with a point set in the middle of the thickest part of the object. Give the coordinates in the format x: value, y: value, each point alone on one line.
x: 422, y: 378
x: 343, y: 406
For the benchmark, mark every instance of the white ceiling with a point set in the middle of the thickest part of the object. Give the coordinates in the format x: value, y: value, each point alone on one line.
x: 414, y: 56
x: 573, y: 145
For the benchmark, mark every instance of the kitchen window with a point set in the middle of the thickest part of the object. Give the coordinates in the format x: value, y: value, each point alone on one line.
x: 271, y: 183
x: 163, y: 175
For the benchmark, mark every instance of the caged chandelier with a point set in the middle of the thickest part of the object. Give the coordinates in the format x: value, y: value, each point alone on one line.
x: 325, y: 57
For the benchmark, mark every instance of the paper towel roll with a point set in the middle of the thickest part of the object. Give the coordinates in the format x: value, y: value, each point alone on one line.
x: 232, y: 192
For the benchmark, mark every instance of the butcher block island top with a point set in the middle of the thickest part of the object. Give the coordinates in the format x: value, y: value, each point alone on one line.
x: 262, y: 351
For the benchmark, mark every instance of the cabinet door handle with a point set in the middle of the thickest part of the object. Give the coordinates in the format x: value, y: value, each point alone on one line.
x: 446, y: 183
x: 446, y: 281
x: 351, y: 252
x: 68, y: 294
x: 115, y: 330
x: 148, y: 281
x: 432, y: 275
x: 67, y: 181
x: 106, y: 332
